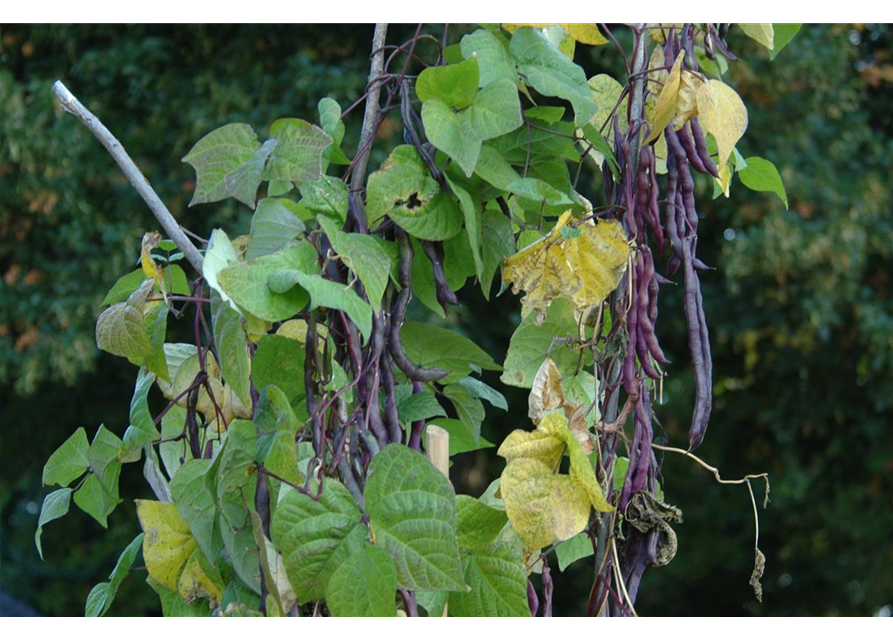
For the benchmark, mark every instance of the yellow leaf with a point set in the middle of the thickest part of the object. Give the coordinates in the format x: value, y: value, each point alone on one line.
x: 150, y: 240
x: 543, y: 507
x: 606, y: 93
x: 542, y: 445
x: 585, y: 33
x: 168, y: 543
x: 195, y: 582
x: 723, y: 114
x: 763, y: 33
x: 724, y: 180
x: 546, y: 393
x: 665, y: 108
x: 687, y: 99
x: 585, y: 268
x: 583, y: 474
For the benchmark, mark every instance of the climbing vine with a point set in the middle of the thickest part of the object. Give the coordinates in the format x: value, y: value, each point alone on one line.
x: 288, y: 463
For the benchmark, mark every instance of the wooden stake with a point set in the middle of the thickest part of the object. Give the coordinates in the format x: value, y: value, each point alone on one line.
x: 438, y: 450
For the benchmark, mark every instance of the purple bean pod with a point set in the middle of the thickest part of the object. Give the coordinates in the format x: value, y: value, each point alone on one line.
x: 701, y: 146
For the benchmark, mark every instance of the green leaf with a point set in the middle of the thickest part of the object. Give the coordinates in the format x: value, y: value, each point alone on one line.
x: 784, y: 33
x: 365, y: 256
x: 327, y: 196
x: 219, y: 255
x: 280, y: 361
x: 482, y: 390
x: 546, y: 113
x: 124, y: 286
x: 412, y: 513
x: 470, y: 410
x: 331, y: 122
x: 495, y: 169
x: 69, y: 461
x: 195, y: 503
x: 364, y: 585
x: 246, y: 283
x: 103, y: 456
x: 298, y: 153
x: 471, y: 209
x: 94, y: 500
x: 551, y: 73
x: 431, y: 346
x: 492, y: 55
x: 120, y: 329
x: 532, y: 343
x: 498, y: 580
x: 542, y: 141
x: 274, y: 225
x: 761, y: 32
x: 500, y: 244
x: 242, y: 183
x: 479, y: 524
x: 761, y: 175
x: 142, y: 427
x: 55, y: 505
x: 573, y: 549
x: 172, y: 426
x: 455, y: 84
x: 419, y: 406
x: 236, y: 464
x: 326, y: 293
x: 156, y: 329
x: 103, y: 594
x: 315, y: 537
x: 218, y: 156
x: 232, y: 348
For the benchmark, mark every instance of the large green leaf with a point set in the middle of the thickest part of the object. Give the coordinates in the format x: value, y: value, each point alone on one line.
x: 455, y: 84
x: 315, y: 537
x: 326, y: 293
x: 551, y: 73
x: 219, y: 156
x: 364, y: 585
x: 55, y: 505
x: 404, y: 190
x: 479, y: 524
x: 195, y: 503
x: 246, y: 283
x: 365, y: 256
x: 69, y: 461
x: 274, y: 225
x: 280, y: 361
x: 492, y: 54
x: 412, y: 514
x: 298, y: 153
x: 471, y: 209
x: 120, y: 329
x: 498, y: 580
x: 432, y: 346
x: 327, y: 196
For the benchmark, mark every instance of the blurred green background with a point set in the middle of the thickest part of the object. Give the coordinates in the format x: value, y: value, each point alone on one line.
x: 800, y: 305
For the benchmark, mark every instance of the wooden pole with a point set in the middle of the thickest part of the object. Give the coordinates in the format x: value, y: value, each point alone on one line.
x: 438, y: 450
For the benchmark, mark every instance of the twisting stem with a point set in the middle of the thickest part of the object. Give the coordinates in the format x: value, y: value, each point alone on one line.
x: 73, y: 106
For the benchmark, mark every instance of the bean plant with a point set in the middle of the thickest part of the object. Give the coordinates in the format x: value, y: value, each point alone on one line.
x: 289, y: 465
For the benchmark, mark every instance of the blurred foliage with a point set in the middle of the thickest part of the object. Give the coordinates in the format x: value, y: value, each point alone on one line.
x: 800, y: 305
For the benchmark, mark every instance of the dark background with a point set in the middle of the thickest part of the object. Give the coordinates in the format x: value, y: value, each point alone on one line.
x: 799, y: 307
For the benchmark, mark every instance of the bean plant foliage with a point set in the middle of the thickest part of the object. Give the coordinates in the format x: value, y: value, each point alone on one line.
x: 288, y: 465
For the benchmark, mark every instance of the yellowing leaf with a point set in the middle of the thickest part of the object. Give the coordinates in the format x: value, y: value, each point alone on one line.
x: 723, y: 114
x: 543, y: 445
x: 724, y: 180
x: 585, y: 33
x: 196, y: 582
x: 546, y: 394
x: 542, y: 506
x: 665, y: 108
x: 150, y: 240
x: 763, y: 33
x: 168, y: 544
x: 585, y: 268
x: 583, y: 474
x: 687, y: 98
